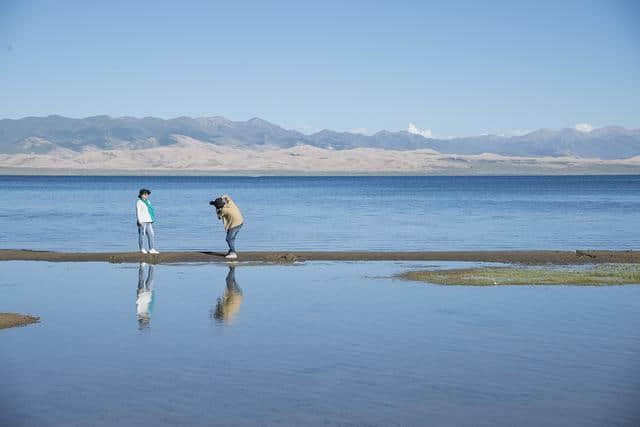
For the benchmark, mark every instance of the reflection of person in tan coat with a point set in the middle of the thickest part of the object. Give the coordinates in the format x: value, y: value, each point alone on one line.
x: 229, y: 303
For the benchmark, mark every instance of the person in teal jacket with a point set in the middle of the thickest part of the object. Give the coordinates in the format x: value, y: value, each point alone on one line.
x: 145, y: 215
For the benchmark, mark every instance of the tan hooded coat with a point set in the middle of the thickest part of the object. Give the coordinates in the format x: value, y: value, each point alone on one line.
x: 230, y: 214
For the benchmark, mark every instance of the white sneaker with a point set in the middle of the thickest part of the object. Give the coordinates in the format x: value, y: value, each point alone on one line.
x: 231, y: 255
x: 143, y: 250
x: 153, y: 251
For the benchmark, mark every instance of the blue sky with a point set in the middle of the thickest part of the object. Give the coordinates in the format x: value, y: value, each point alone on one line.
x: 453, y: 67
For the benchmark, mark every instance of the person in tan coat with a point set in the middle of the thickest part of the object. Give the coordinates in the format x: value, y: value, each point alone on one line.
x: 232, y: 220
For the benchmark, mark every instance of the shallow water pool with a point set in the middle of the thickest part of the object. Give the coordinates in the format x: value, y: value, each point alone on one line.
x: 311, y: 344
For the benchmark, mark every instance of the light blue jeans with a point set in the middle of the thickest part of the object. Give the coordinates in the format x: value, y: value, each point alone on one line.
x: 146, y: 228
x: 231, y: 237
x: 145, y: 285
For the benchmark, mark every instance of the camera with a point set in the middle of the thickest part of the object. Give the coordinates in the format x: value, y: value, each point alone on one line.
x: 218, y: 203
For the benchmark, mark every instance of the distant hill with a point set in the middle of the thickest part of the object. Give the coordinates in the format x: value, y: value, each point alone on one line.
x: 42, y: 135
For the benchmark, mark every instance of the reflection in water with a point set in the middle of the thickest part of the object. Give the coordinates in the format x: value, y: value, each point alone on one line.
x: 144, y: 296
x: 229, y: 303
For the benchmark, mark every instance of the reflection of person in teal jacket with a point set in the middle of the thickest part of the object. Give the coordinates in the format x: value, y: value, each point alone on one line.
x: 144, y: 296
x: 229, y: 303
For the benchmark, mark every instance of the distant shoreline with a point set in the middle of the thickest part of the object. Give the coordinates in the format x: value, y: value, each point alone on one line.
x: 631, y: 171
x: 528, y: 257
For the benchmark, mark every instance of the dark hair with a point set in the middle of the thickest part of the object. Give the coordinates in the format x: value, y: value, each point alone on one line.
x: 144, y: 191
x: 218, y: 203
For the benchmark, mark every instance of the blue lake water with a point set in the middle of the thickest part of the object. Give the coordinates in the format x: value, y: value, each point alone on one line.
x: 313, y: 344
x: 327, y: 213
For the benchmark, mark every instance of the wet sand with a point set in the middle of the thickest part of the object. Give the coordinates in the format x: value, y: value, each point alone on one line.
x: 9, y: 320
x: 519, y: 257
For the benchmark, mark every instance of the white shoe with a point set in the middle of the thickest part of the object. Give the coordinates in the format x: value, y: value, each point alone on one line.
x: 144, y: 251
x: 231, y: 255
x: 153, y: 251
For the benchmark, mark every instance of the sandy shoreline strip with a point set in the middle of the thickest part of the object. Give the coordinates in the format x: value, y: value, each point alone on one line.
x: 534, y: 257
x: 10, y: 320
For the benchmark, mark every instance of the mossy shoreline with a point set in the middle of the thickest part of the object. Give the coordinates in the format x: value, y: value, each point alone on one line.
x: 601, y: 275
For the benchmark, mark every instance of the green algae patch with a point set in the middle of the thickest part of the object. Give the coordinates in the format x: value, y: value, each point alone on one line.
x: 603, y: 275
x: 10, y: 320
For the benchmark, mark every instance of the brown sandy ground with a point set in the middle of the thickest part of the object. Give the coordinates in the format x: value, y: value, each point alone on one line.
x: 511, y: 257
x: 9, y: 320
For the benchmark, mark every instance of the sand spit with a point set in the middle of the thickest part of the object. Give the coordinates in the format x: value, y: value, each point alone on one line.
x: 9, y: 320
x: 519, y: 257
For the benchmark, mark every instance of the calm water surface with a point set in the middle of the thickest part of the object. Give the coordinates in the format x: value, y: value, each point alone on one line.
x: 311, y: 344
x: 326, y: 213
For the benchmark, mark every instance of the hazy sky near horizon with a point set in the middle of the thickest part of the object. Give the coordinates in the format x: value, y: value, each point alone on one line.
x: 452, y: 67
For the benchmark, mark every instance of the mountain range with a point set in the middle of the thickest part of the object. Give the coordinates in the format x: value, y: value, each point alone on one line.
x: 47, y: 135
